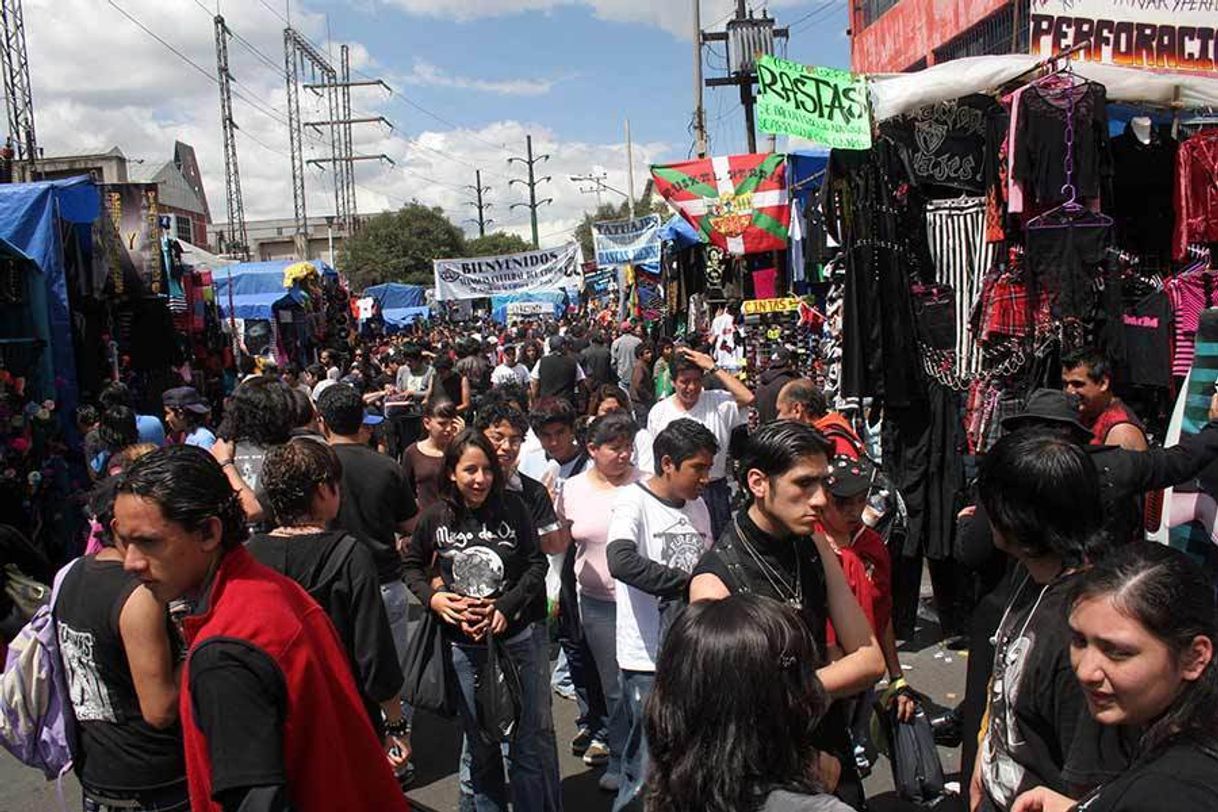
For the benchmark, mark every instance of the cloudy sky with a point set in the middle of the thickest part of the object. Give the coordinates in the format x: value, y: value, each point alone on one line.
x: 470, y: 78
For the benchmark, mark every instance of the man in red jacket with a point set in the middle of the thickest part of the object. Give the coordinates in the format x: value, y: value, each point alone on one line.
x: 271, y: 717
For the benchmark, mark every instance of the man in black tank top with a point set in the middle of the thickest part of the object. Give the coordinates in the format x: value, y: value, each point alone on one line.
x: 120, y: 662
x: 557, y: 375
x: 768, y: 549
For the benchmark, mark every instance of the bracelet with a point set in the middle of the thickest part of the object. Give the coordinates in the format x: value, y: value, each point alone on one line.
x: 897, y: 684
x: 227, y: 463
x: 397, y: 729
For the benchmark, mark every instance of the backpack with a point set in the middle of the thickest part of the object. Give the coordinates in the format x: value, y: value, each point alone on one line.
x: 37, y: 723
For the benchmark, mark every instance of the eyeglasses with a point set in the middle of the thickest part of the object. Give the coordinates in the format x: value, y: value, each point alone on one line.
x: 510, y: 442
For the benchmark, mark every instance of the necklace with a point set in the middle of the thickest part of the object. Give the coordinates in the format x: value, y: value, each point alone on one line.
x: 792, y: 595
x: 300, y: 530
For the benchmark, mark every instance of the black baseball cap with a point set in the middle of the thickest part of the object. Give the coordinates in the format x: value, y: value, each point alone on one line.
x: 186, y: 398
x: 849, y: 477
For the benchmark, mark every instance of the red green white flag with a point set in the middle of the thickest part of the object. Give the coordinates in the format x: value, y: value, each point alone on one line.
x: 738, y: 202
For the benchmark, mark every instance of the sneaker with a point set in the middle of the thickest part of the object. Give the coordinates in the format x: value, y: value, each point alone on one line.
x: 405, y: 775
x: 565, y: 691
x: 579, y: 745
x: 609, y: 782
x: 597, y: 754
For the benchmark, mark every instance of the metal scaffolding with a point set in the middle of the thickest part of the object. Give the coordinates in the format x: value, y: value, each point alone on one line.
x: 238, y: 237
x: 17, y: 86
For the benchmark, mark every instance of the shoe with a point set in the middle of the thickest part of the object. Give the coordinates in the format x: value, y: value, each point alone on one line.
x: 947, y: 728
x: 405, y: 775
x: 862, y: 762
x: 579, y: 745
x: 609, y: 782
x: 566, y: 692
x: 597, y: 754
x: 959, y: 642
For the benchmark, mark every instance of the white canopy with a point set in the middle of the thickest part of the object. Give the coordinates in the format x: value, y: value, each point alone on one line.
x: 895, y: 93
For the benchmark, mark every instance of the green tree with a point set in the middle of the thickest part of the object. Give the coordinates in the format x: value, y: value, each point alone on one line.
x: 399, y: 246
x: 495, y: 243
x: 608, y: 211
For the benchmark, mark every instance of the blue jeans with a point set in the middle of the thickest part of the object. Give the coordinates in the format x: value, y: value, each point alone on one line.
x: 600, y: 631
x: 397, y: 609
x: 532, y: 758
x: 636, y: 685
x: 718, y: 498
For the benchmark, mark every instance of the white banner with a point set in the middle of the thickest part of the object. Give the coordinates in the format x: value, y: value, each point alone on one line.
x: 1174, y: 35
x: 479, y: 277
x: 628, y: 242
x: 524, y: 310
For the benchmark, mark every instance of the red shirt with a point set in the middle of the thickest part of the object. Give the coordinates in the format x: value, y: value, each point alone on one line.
x: 868, y: 571
x: 1116, y: 414
x: 331, y: 754
x: 837, y: 430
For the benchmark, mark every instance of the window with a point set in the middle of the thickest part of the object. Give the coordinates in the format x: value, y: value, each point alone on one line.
x: 184, y: 228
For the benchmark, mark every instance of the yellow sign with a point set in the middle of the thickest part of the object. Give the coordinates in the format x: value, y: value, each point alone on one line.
x: 756, y: 307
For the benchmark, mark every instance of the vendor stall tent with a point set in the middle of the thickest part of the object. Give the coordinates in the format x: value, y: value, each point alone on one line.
x: 254, y: 287
x: 400, y: 305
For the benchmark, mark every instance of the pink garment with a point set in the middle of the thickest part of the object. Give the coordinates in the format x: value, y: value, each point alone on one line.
x: 94, y: 546
x: 1187, y: 295
x: 587, y: 506
x: 1014, y: 189
x: 765, y: 283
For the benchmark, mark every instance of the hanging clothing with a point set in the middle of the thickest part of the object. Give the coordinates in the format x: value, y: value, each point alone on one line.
x: 945, y: 143
x: 1142, y: 187
x: 955, y: 230
x: 1067, y: 261
x: 1148, y: 340
x: 1196, y: 193
x: 1040, y: 142
x: 1190, y: 294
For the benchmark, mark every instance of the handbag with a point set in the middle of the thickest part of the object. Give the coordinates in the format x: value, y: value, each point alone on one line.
x: 917, y: 772
x: 497, y: 696
x: 27, y: 594
x: 429, y: 672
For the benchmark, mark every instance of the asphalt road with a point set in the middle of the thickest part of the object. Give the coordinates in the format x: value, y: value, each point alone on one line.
x: 929, y: 668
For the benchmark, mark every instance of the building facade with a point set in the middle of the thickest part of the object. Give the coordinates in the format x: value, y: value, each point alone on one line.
x: 276, y: 239
x: 893, y: 36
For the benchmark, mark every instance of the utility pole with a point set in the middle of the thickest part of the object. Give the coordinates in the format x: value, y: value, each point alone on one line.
x: 238, y: 237
x: 699, y: 111
x: 629, y: 170
x: 746, y: 37
x: 17, y: 90
x: 597, y: 178
x: 530, y: 163
x: 478, y: 189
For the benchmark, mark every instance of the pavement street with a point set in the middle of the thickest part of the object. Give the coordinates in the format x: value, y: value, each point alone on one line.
x: 929, y: 668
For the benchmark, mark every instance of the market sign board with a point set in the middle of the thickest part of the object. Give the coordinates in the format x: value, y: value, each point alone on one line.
x: 824, y: 105
x: 1165, y: 34
x: 553, y: 269
x: 760, y: 307
x: 628, y: 242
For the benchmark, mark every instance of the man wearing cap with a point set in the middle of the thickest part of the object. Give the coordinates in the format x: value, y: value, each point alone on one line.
x: 185, y: 413
x: 510, y: 370
x: 377, y: 501
x: 780, y: 371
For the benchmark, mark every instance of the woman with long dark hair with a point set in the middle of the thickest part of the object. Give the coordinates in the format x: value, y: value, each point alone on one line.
x: 751, y: 752
x: 1143, y: 631
x: 260, y: 415
x: 493, y: 583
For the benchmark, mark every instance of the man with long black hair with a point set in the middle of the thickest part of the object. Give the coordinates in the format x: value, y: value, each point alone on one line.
x: 769, y: 549
x: 271, y: 717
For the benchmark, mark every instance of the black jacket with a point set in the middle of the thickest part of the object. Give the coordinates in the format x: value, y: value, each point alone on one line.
x: 771, y: 383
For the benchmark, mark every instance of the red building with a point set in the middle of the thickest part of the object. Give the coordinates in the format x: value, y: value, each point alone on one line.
x: 892, y: 36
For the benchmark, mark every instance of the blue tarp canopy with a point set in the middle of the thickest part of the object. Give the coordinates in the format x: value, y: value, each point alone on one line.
x: 557, y: 300
x: 29, y: 229
x: 679, y: 231
x: 806, y: 172
x: 399, y: 317
x: 395, y: 295
x: 261, y: 305
x: 257, y: 277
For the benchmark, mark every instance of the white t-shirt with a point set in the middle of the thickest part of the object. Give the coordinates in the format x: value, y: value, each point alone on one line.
x: 723, y: 327
x: 715, y: 409
x: 505, y: 374
x: 672, y: 535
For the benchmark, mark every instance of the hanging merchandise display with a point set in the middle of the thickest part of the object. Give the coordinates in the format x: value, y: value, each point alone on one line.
x: 825, y: 105
x: 738, y: 203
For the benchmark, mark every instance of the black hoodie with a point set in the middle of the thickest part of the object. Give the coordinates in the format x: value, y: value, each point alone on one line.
x: 772, y: 382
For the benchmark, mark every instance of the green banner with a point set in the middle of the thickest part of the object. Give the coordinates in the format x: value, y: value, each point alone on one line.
x: 824, y: 105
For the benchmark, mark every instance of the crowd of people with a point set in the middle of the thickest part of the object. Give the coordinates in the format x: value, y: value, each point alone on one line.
x: 582, y: 510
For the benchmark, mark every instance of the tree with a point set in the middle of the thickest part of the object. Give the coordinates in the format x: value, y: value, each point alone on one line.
x: 607, y: 211
x: 496, y: 243
x: 399, y: 246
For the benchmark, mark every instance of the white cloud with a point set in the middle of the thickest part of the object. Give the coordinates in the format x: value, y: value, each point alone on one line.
x: 674, y: 16
x: 426, y: 74
x: 101, y: 82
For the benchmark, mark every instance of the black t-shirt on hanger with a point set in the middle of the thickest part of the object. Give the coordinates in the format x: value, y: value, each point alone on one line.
x: 1148, y: 341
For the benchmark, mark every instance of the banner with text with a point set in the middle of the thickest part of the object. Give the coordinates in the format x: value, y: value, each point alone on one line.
x: 478, y: 277
x: 1166, y: 34
x: 628, y: 242
x: 824, y: 105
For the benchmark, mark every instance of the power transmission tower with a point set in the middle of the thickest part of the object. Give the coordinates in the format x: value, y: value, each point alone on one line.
x: 531, y: 162
x: 479, y: 190
x: 238, y: 238
x: 292, y: 66
x: 17, y: 86
x: 348, y: 173
x: 746, y: 37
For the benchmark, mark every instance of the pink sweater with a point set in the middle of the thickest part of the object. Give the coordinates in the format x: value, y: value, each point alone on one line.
x: 586, y: 505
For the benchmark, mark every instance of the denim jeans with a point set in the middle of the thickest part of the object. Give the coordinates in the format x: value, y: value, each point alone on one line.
x: 600, y: 631
x: 531, y: 754
x: 718, y: 497
x: 636, y: 685
x: 397, y: 609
